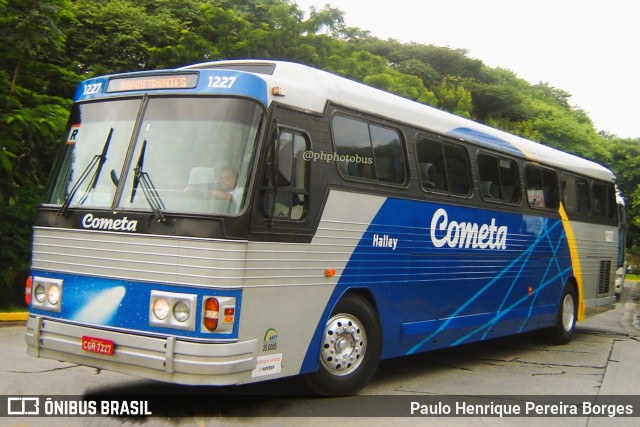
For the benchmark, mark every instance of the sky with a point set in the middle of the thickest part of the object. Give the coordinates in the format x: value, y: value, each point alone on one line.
x: 588, y: 48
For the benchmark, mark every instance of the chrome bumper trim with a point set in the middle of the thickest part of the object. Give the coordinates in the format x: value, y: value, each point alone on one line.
x: 166, y: 359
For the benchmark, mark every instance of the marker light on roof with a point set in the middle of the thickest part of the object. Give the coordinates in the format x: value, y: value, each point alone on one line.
x: 277, y: 91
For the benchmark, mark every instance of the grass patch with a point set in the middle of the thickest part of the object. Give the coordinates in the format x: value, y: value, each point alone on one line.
x: 13, y: 309
x: 632, y: 277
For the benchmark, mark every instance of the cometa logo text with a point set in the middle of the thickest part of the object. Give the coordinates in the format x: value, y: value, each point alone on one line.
x: 467, y: 234
x: 120, y: 224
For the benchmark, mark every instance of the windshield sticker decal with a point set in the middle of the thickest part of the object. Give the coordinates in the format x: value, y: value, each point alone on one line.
x: 73, y: 134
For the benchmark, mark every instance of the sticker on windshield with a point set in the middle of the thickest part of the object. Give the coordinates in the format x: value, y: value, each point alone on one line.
x: 73, y: 134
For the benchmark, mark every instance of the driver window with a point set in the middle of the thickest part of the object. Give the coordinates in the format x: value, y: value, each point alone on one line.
x: 286, y: 190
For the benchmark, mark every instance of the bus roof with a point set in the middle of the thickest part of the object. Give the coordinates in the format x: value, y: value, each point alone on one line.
x: 310, y: 89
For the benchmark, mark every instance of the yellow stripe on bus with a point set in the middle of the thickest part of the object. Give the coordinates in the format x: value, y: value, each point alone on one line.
x: 575, y: 259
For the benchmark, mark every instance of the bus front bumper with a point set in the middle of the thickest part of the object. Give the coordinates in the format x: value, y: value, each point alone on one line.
x: 161, y: 358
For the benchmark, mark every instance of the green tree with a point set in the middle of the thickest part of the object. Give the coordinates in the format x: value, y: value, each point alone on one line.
x: 454, y: 97
x: 29, y: 30
x: 401, y: 84
x: 116, y: 35
x: 633, y: 219
x: 32, y: 114
x: 625, y: 161
x: 498, y: 96
x: 48, y: 46
x: 425, y: 72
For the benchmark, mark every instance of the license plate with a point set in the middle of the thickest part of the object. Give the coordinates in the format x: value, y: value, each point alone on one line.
x: 98, y: 345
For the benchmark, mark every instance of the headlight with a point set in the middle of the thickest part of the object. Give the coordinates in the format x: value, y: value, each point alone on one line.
x: 53, y: 295
x: 161, y: 308
x: 172, y: 310
x: 181, y: 311
x: 39, y: 293
x: 47, y: 294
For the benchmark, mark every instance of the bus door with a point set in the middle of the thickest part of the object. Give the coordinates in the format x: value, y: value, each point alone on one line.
x: 286, y: 208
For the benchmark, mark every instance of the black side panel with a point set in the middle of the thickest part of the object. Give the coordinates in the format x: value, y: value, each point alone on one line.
x: 316, y: 129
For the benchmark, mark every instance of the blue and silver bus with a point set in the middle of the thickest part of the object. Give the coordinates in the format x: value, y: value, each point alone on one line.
x: 238, y: 221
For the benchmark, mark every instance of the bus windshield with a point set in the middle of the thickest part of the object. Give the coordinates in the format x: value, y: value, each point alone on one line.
x: 190, y: 155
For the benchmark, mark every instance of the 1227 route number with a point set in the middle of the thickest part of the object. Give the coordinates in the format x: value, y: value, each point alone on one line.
x: 218, y: 82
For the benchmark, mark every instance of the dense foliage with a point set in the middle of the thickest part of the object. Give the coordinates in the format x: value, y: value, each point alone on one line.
x: 48, y: 46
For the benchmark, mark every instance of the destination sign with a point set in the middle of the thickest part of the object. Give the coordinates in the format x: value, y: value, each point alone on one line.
x: 151, y: 82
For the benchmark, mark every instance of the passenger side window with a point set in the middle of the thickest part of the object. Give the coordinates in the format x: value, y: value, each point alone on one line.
x: 368, y: 151
x: 542, y: 187
x: 604, y: 200
x: 443, y: 167
x: 499, y: 179
x: 575, y: 195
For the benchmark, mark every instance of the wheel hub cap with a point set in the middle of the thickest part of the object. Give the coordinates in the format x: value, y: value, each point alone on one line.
x: 343, y: 345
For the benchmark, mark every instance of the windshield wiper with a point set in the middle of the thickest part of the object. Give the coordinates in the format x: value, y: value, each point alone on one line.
x: 149, y: 191
x: 98, y: 159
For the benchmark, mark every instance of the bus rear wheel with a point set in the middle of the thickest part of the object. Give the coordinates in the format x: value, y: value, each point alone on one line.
x: 350, y: 348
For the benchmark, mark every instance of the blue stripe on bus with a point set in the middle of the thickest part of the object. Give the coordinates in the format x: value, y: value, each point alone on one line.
x: 454, y: 294
x: 121, y: 304
x: 486, y: 140
x: 214, y: 82
x: 521, y: 303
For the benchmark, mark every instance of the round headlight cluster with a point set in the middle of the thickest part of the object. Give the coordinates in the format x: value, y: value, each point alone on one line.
x: 172, y: 310
x: 51, y: 292
x: 45, y: 293
x: 180, y: 310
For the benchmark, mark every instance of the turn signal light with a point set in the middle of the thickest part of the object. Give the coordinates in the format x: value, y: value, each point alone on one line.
x: 211, y: 313
x: 229, y: 312
x: 27, y: 290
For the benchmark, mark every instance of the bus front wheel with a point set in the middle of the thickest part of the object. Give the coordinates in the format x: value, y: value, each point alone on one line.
x: 350, y: 348
x: 562, y: 332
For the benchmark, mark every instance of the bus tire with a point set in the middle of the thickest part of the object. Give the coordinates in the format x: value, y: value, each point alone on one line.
x: 562, y: 332
x: 350, y: 348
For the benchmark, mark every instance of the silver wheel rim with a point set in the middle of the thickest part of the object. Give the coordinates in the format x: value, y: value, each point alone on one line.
x: 568, y: 312
x: 344, y: 344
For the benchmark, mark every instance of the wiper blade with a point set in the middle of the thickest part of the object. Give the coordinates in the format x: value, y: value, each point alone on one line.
x: 138, y: 170
x: 103, y: 159
x: 98, y: 159
x: 142, y: 179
